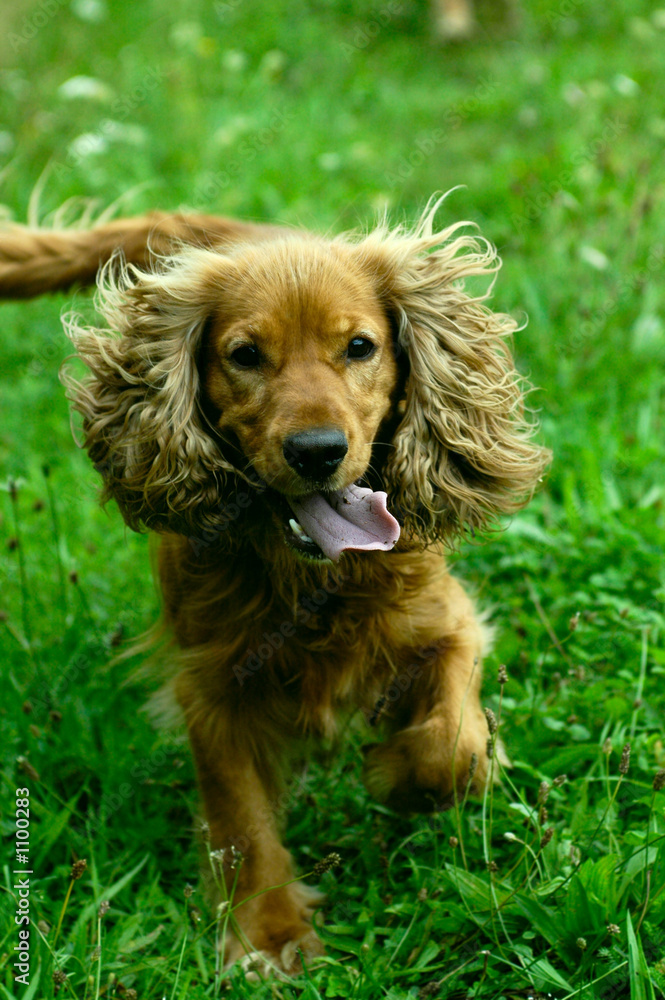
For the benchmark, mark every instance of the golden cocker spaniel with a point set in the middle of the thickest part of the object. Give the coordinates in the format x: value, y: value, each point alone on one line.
x: 306, y: 422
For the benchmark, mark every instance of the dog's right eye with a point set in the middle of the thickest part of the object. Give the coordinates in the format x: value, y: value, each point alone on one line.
x: 246, y: 356
x: 360, y: 348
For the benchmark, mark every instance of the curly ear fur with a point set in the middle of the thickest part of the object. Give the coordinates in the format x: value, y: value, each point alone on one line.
x: 144, y: 428
x: 462, y: 453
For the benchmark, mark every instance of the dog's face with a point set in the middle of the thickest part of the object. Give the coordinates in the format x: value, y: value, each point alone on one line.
x: 288, y: 359
x: 300, y: 365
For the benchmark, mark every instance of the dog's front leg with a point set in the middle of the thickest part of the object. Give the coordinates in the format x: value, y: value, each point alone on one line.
x: 439, y: 741
x: 241, y: 800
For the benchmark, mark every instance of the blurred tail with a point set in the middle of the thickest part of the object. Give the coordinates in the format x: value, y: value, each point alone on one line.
x: 35, y: 261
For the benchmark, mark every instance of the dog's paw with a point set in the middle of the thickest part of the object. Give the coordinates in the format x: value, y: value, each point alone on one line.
x: 276, y: 958
x: 423, y: 768
x: 275, y: 931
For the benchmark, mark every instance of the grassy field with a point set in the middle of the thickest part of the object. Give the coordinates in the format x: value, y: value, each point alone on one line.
x: 322, y: 115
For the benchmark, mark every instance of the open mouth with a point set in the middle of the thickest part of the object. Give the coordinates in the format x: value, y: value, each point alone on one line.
x: 298, y: 539
x: 323, y: 525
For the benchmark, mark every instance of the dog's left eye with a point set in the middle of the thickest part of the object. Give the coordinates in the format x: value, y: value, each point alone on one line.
x: 360, y: 348
x: 246, y: 356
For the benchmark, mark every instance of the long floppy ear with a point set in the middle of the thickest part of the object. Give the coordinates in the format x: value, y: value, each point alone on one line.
x: 462, y: 453
x: 144, y: 427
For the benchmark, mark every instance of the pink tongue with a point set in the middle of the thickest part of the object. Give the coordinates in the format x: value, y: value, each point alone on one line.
x: 354, y: 518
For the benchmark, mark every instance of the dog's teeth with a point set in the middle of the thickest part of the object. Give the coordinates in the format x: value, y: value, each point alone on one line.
x: 297, y: 530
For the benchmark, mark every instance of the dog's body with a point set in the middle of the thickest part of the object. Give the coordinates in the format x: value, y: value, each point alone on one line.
x: 241, y: 389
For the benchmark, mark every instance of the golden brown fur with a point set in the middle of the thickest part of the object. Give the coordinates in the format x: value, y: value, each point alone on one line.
x: 271, y: 648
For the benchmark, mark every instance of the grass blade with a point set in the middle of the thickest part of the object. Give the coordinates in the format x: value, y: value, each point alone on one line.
x: 641, y: 984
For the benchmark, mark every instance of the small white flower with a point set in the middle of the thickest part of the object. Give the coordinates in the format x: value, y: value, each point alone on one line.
x: 92, y: 11
x: 597, y: 259
x: 88, y: 144
x: 135, y: 135
x: 273, y: 63
x: 573, y: 94
x: 234, y: 61
x: 625, y: 86
x: 87, y: 88
x: 231, y: 131
x: 186, y: 34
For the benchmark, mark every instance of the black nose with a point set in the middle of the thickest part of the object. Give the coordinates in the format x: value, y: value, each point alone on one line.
x: 315, y: 454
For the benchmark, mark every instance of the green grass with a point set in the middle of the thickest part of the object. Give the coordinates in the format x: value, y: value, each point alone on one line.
x: 305, y: 114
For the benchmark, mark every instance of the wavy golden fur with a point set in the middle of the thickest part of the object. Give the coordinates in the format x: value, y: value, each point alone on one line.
x: 191, y: 436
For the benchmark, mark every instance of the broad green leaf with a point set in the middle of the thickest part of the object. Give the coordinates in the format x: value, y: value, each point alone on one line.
x: 475, y: 890
x: 547, y: 974
x: 639, y: 861
x: 144, y: 940
x: 599, y: 878
x: 543, y: 919
x: 582, y: 914
x: 428, y: 954
x: 641, y: 984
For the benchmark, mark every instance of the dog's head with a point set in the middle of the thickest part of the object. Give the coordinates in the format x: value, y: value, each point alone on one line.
x: 304, y: 366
